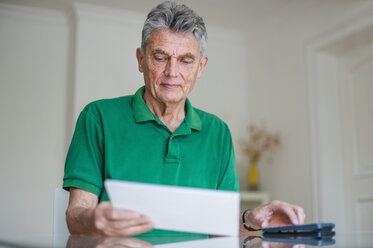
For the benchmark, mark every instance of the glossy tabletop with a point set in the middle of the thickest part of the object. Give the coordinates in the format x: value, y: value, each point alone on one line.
x: 340, y: 240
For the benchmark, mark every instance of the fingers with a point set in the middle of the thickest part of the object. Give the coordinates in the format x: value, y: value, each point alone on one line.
x: 288, y: 210
x: 265, y: 224
x: 116, y: 222
x: 300, y: 214
x: 121, y: 224
x: 127, y: 231
x: 118, y: 214
x: 134, y: 230
x: 294, y: 213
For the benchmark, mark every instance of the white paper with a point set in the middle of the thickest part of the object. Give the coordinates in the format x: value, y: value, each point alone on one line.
x: 179, y: 208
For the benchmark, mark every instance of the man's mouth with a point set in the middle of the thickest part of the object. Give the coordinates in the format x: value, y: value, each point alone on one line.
x: 170, y: 86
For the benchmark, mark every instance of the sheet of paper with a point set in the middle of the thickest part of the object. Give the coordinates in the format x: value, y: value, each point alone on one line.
x: 179, y: 208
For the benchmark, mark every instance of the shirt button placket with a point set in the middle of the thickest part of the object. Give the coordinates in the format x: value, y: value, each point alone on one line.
x: 173, y: 153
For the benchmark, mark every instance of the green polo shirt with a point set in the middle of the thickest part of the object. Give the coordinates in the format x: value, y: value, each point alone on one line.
x: 122, y: 139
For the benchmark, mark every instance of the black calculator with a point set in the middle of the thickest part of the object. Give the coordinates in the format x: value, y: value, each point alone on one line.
x: 316, y: 229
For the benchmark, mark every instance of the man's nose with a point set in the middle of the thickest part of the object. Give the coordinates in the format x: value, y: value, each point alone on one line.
x: 172, y: 68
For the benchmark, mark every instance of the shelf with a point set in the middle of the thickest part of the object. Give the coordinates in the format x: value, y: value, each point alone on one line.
x: 252, y: 199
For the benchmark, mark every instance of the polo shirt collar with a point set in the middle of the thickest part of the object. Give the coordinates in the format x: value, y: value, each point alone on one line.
x: 192, y: 118
x: 142, y: 112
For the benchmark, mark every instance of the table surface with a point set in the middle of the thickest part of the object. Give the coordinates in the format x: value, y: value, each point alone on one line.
x: 340, y: 240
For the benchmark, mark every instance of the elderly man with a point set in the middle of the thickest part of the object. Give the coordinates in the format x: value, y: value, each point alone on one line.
x: 156, y: 136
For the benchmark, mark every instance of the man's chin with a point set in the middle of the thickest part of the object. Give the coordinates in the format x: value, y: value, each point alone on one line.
x: 171, y: 97
x: 172, y: 100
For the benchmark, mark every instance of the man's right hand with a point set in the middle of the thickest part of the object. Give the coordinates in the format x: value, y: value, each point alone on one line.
x: 85, y: 216
x: 116, y: 222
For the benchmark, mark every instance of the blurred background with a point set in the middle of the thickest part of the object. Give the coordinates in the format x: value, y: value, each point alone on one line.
x: 304, y: 67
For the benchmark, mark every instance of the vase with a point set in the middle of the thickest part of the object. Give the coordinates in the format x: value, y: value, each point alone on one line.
x: 253, y: 176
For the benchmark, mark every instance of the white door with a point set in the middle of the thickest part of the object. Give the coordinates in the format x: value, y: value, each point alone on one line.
x: 341, y: 115
x: 355, y: 77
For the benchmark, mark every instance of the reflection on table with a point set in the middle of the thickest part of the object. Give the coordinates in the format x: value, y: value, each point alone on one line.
x: 217, y: 242
x: 343, y: 240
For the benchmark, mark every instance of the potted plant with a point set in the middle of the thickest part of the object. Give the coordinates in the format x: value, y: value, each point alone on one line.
x: 261, y: 142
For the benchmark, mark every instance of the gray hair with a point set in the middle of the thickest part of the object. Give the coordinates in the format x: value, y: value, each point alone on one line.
x: 178, y: 18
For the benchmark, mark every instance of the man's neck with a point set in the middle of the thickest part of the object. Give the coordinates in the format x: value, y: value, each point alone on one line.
x: 171, y: 114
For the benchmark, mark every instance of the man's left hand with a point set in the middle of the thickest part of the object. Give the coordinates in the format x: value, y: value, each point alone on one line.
x: 276, y: 213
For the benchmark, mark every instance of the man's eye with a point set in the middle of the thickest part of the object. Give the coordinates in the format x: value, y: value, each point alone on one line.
x: 187, y: 61
x: 160, y: 58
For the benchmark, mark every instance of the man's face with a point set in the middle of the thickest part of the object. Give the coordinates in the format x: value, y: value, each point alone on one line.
x: 171, y: 65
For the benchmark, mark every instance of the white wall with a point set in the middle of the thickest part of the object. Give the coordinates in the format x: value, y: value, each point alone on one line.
x: 106, y: 65
x: 33, y: 76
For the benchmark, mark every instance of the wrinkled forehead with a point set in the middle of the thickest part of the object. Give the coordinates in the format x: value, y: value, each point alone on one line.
x: 173, y: 43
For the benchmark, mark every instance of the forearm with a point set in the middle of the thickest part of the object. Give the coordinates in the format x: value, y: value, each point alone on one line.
x: 80, y: 221
x: 80, y: 214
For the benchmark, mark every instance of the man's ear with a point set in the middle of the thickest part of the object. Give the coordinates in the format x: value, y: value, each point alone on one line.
x: 201, y: 66
x: 140, y: 59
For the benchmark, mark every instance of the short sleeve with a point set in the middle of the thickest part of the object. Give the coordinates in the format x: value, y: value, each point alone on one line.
x: 84, y: 160
x: 229, y: 178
